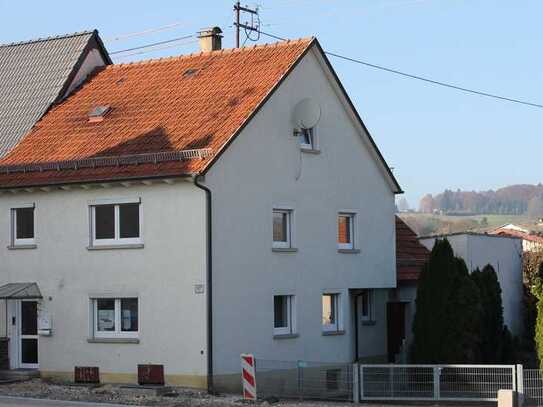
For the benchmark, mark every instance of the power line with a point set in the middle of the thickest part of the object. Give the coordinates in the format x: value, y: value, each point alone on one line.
x: 157, y: 49
x: 421, y: 78
x: 152, y: 44
x: 144, y: 32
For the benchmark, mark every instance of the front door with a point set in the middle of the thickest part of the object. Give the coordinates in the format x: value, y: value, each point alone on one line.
x: 395, y: 328
x: 28, y: 334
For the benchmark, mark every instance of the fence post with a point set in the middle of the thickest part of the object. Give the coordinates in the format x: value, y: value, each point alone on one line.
x: 356, y: 383
x: 300, y: 380
x: 437, y: 374
x: 519, y: 384
x: 361, y: 380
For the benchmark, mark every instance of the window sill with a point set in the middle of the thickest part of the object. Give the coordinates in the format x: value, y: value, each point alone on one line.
x: 284, y: 249
x: 369, y: 323
x: 113, y: 340
x: 351, y: 251
x: 117, y: 246
x: 310, y: 150
x: 332, y: 333
x: 22, y: 246
x: 285, y: 336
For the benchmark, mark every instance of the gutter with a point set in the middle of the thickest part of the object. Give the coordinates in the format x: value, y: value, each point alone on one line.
x: 209, y: 282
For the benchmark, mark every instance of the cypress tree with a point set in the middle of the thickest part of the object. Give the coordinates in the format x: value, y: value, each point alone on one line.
x: 447, y: 321
x: 492, y: 328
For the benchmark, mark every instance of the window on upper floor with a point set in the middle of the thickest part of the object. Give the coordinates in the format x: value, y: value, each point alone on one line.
x: 115, y: 317
x: 345, y: 231
x: 283, y: 315
x: 307, y: 138
x: 22, y: 226
x: 116, y: 224
x: 282, y: 228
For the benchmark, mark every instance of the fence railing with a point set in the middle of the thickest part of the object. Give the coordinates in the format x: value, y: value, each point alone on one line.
x: 304, y: 380
x: 532, y: 386
x: 362, y: 382
x: 435, y: 382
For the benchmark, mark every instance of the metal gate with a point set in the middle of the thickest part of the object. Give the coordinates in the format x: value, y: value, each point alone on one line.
x: 435, y: 382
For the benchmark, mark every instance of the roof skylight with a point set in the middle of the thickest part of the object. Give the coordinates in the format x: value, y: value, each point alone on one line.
x: 98, y: 113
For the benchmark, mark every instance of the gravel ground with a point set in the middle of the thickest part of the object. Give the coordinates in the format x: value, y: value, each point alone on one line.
x: 116, y: 395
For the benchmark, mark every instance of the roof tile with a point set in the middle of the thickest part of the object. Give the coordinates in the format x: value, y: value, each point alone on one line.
x: 155, y: 107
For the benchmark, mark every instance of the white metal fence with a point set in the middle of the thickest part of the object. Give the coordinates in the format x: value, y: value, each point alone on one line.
x: 531, y: 386
x: 363, y: 382
x: 435, y: 382
x: 304, y: 380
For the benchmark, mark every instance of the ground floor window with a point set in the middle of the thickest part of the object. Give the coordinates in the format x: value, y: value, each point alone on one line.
x: 283, y: 315
x: 330, y: 312
x: 115, y: 317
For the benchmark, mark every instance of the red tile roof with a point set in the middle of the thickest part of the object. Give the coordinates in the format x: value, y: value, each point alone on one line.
x: 517, y: 233
x: 198, y: 101
x: 411, y: 255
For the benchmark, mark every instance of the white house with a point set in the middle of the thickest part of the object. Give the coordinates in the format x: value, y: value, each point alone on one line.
x: 504, y: 253
x: 185, y: 210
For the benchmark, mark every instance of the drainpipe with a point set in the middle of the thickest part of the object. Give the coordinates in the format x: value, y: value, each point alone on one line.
x: 209, y: 282
x: 356, y: 326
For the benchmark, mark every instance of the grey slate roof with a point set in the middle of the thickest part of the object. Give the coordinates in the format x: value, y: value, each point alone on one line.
x: 33, y: 75
x: 19, y: 291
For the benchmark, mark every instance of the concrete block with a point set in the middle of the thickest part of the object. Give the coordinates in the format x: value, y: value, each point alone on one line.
x: 506, y: 398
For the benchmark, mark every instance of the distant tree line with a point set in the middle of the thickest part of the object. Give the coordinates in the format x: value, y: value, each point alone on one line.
x: 511, y: 200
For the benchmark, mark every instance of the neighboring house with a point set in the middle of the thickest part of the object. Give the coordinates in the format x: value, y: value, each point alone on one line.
x: 530, y: 242
x: 35, y: 74
x: 411, y: 256
x: 504, y: 253
x: 179, y: 212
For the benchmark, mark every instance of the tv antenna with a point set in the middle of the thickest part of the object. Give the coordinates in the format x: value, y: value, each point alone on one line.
x: 248, y: 26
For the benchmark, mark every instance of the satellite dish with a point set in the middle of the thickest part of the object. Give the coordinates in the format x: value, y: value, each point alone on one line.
x: 307, y: 113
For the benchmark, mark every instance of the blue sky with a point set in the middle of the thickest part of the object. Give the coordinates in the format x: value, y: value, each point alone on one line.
x: 434, y: 138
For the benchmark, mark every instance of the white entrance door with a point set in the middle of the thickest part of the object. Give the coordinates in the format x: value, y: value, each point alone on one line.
x: 27, y: 330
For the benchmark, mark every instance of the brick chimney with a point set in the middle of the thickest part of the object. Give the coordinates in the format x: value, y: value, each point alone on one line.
x: 210, y: 39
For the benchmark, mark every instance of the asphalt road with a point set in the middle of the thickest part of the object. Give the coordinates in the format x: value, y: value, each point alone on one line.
x: 26, y: 402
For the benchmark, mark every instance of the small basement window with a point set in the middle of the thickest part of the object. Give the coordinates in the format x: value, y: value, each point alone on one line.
x: 116, y: 224
x: 283, y: 315
x: 115, y: 317
x: 22, y: 226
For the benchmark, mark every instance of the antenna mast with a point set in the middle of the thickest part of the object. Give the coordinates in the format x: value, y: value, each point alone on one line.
x: 253, y: 26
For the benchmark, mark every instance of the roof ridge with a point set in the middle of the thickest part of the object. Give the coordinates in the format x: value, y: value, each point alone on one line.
x: 50, y: 38
x: 218, y: 52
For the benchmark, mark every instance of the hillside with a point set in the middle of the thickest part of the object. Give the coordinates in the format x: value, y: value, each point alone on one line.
x: 522, y: 199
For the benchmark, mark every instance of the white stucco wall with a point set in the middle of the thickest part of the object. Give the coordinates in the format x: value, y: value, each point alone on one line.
x: 162, y: 275
x: 93, y: 60
x: 264, y: 168
x: 505, y: 255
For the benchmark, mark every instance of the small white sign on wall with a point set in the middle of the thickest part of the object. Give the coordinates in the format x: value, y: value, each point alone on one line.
x: 45, y: 325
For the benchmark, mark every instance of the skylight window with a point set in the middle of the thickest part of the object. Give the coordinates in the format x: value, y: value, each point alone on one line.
x: 98, y: 113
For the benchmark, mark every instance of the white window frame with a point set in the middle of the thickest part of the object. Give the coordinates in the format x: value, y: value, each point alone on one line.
x: 13, y: 222
x: 371, y: 305
x: 118, y: 333
x: 352, y: 230
x: 290, y: 329
x: 337, y: 326
x: 313, y: 144
x: 117, y: 240
x: 289, y: 219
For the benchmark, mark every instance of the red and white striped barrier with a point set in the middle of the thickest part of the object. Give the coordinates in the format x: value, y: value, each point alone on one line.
x: 248, y: 377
